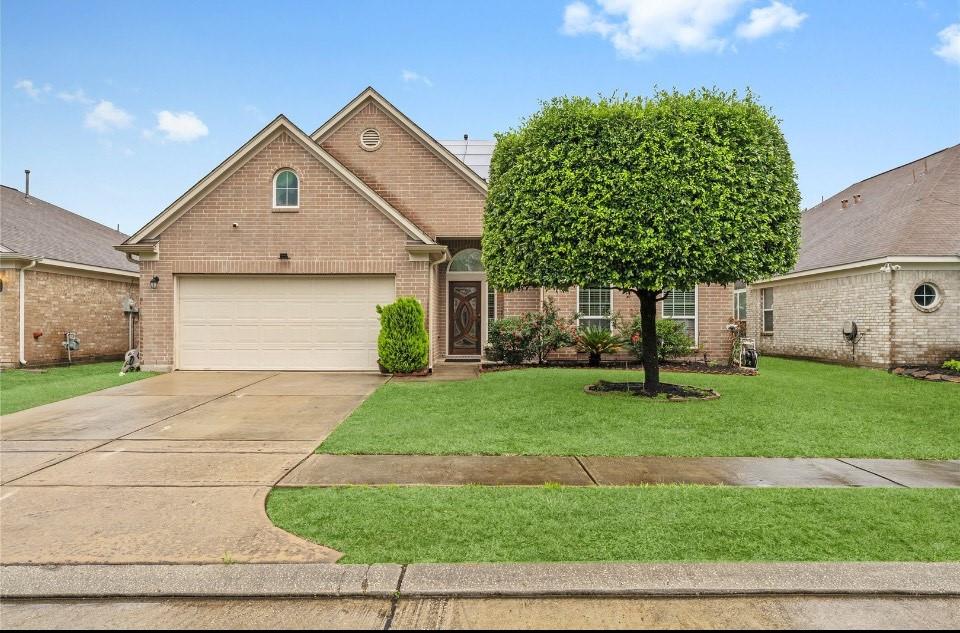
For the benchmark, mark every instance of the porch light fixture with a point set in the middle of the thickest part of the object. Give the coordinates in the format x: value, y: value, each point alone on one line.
x: 154, y: 282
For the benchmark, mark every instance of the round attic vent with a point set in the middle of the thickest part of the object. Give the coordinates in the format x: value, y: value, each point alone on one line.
x: 370, y: 139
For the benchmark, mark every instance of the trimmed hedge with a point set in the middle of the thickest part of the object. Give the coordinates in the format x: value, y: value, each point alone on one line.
x: 403, y: 344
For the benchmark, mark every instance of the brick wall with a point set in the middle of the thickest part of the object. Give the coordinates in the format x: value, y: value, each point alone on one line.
x: 57, y: 303
x: 334, y: 231
x: 408, y: 175
x: 925, y: 338
x: 809, y: 317
x: 9, y: 317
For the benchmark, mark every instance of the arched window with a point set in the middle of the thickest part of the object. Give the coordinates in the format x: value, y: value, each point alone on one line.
x: 466, y: 261
x: 286, y: 189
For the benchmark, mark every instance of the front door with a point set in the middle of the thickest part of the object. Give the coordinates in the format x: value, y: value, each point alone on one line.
x: 464, y: 315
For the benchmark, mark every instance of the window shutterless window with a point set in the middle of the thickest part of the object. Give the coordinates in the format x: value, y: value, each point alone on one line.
x: 594, y: 306
x: 286, y: 189
x: 491, y: 303
x: 681, y: 305
x: 768, y: 309
x: 740, y: 301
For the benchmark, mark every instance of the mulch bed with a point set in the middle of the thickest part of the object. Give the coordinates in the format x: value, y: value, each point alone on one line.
x: 674, y: 393
x: 676, y: 366
x: 933, y: 374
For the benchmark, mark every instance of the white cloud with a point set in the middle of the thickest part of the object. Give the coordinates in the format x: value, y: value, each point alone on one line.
x: 638, y: 28
x: 27, y: 86
x: 181, y: 127
x: 105, y: 117
x: 949, y: 48
x: 410, y: 76
x: 77, y: 96
x: 769, y: 20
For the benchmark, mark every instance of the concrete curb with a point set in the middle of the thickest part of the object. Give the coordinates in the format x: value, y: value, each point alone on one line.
x: 480, y: 580
x: 682, y: 579
x: 268, y: 580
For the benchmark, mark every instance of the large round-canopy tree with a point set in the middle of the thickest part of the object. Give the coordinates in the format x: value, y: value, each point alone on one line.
x: 644, y: 196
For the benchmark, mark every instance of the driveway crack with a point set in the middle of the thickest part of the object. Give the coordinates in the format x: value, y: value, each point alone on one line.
x: 871, y: 472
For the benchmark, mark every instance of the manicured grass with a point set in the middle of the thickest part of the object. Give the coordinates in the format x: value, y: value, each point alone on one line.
x: 20, y: 389
x: 792, y: 409
x: 658, y: 523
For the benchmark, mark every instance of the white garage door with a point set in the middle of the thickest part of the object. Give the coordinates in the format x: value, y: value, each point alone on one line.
x: 292, y: 322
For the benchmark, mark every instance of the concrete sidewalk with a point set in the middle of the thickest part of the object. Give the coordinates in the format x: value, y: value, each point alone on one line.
x: 335, y: 470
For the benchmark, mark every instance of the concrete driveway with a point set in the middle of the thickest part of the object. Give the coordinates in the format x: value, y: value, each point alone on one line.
x: 171, y: 469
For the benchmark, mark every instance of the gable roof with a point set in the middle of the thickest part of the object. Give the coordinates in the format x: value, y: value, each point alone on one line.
x: 911, y: 210
x: 35, y: 228
x: 441, y: 152
x: 169, y: 215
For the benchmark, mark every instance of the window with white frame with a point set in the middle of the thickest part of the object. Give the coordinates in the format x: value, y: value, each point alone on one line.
x: 768, y: 310
x: 681, y: 305
x: 286, y: 189
x: 740, y: 301
x: 594, y: 306
x: 491, y: 303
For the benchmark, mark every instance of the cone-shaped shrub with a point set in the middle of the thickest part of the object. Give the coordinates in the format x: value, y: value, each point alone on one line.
x: 403, y: 344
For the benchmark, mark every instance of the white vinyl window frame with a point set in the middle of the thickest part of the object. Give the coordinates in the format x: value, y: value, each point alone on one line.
x: 740, y: 302
x: 695, y: 317
x: 584, y: 321
x: 767, y: 307
x: 273, y: 190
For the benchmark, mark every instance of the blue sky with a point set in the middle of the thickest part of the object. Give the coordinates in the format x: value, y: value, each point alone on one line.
x: 119, y: 107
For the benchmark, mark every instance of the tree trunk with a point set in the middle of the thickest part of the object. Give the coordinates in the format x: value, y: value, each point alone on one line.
x: 648, y: 332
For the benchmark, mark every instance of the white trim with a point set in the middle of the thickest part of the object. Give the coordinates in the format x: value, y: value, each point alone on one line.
x: 938, y: 296
x: 696, y: 314
x: 736, y: 306
x: 948, y: 259
x: 286, y: 207
x: 369, y: 94
x: 86, y: 268
x: 609, y: 317
x: 169, y: 215
x: 764, y: 309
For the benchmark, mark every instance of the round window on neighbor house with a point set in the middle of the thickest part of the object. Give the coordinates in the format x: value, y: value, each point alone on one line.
x: 370, y: 139
x: 927, y: 297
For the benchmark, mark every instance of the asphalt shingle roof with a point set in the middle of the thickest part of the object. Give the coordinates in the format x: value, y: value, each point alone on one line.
x: 912, y: 210
x: 35, y: 228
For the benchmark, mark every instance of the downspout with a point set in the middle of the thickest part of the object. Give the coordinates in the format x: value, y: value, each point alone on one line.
x: 23, y: 298
x: 432, y: 295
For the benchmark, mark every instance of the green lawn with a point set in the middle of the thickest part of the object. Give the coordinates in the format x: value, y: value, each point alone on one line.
x: 792, y: 409
x: 21, y: 389
x: 659, y: 523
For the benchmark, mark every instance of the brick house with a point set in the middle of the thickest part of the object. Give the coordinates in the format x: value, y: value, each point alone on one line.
x: 883, y: 254
x: 278, y: 257
x: 59, y: 273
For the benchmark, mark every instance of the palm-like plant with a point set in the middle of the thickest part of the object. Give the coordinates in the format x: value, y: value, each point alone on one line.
x: 597, y: 342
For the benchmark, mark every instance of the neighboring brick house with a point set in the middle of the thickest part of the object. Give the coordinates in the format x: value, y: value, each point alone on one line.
x: 883, y: 254
x: 59, y: 274
x: 278, y: 258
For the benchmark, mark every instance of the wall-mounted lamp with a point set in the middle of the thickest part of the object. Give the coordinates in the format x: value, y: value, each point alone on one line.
x: 284, y: 256
x: 154, y: 282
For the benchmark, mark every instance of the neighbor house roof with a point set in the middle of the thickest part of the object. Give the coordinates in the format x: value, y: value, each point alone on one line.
x: 474, y: 154
x: 911, y: 210
x: 34, y: 228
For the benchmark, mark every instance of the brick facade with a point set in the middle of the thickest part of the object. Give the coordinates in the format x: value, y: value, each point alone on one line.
x: 57, y: 302
x: 809, y: 316
x: 334, y: 231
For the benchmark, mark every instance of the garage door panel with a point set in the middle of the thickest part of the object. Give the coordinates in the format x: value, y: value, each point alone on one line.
x: 294, y: 322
